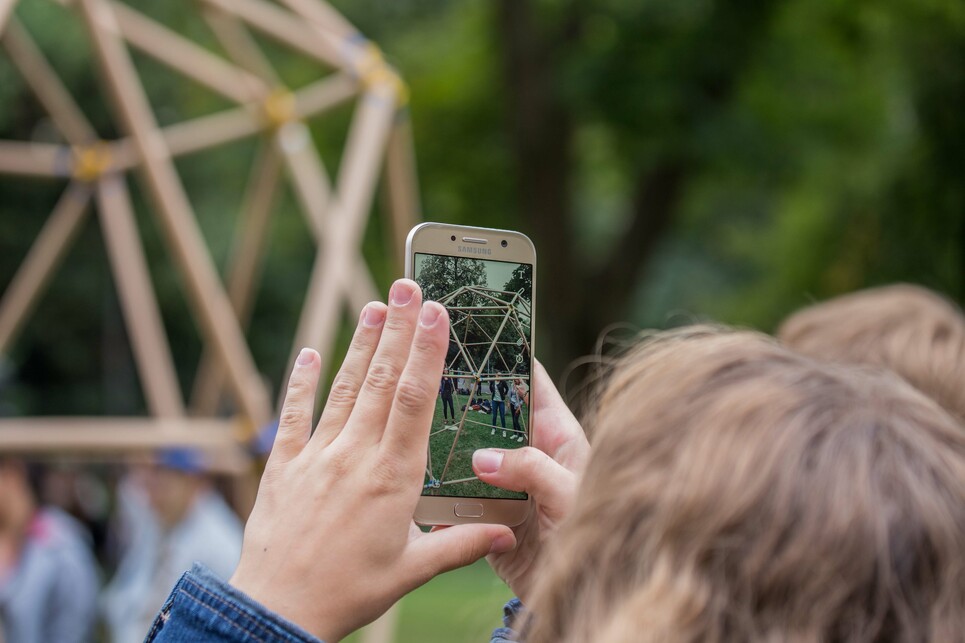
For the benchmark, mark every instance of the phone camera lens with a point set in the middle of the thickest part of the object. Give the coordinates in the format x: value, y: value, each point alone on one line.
x: 504, y: 243
x: 453, y: 237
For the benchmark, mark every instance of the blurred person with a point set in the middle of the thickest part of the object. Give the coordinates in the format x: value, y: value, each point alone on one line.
x: 737, y: 491
x: 171, y: 518
x: 907, y: 329
x: 48, y: 576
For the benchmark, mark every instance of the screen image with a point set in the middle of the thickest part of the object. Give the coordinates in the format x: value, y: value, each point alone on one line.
x: 483, y: 396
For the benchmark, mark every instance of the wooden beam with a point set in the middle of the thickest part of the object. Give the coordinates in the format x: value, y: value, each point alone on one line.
x: 45, y: 160
x: 237, y: 42
x: 186, y: 57
x: 355, y: 186
x: 323, y: 17
x: 210, y: 304
x: 313, y: 191
x: 234, y: 124
x: 6, y: 8
x: 322, y: 95
x: 44, y: 255
x: 149, y: 342
x: 112, y: 434
x: 280, y: 25
x: 244, y: 268
x: 401, y: 187
x: 46, y: 85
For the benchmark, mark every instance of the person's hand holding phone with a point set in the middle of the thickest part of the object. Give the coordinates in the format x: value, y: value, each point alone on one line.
x: 330, y: 544
x: 548, y: 471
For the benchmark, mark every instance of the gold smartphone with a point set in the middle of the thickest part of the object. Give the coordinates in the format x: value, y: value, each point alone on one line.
x: 485, y: 278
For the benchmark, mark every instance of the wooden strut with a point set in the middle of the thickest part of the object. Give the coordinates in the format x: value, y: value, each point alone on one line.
x: 244, y: 266
x: 152, y: 353
x: 42, y: 259
x: 46, y: 85
x: 307, y: 174
x: 210, y: 303
x: 184, y: 56
x: 356, y: 180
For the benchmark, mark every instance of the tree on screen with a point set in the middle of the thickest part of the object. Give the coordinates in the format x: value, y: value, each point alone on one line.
x: 439, y: 276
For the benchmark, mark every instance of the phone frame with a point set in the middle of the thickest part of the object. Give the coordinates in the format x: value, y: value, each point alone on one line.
x: 436, y: 238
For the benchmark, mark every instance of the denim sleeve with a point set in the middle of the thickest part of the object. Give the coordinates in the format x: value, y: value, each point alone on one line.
x: 512, y: 612
x: 203, y: 608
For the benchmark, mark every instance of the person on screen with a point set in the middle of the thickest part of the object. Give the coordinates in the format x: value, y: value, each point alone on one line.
x: 446, y: 391
x: 499, y: 390
x: 517, y: 396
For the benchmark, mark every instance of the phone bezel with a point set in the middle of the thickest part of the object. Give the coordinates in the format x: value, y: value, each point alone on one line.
x: 436, y: 238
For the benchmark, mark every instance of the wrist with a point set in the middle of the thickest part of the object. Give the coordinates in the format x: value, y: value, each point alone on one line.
x: 288, y: 602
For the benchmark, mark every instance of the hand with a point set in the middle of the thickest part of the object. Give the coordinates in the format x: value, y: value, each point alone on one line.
x: 330, y: 544
x: 548, y: 471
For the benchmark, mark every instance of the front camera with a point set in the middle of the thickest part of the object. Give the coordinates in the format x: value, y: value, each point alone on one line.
x: 453, y: 237
x: 504, y: 243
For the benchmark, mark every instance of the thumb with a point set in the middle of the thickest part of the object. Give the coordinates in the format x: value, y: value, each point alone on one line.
x: 457, y: 546
x: 530, y: 470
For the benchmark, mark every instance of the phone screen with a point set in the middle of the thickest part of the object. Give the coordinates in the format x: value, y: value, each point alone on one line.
x: 483, y: 396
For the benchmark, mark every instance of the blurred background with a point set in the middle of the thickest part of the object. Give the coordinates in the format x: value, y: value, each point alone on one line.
x: 671, y: 160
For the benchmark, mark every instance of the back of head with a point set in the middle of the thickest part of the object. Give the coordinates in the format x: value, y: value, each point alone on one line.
x: 738, y: 491
x: 907, y: 329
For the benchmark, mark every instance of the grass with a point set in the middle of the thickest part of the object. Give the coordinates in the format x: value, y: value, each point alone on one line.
x: 463, y: 606
x: 473, y: 437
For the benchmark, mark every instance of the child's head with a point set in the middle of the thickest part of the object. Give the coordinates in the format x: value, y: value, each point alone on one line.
x: 739, y: 491
x: 907, y: 329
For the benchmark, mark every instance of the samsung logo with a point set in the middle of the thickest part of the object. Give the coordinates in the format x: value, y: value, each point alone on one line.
x: 475, y: 251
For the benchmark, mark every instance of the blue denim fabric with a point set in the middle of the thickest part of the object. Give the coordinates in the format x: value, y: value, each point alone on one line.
x: 203, y: 608
x: 512, y: 611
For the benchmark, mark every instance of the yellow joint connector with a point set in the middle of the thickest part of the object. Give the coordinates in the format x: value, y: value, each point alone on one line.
x: 372, y: 70
x: 279, y: 107
x: 91, y: 161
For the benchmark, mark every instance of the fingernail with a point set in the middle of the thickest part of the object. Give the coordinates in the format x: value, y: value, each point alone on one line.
x: 402, y: 292
x: 429, y: 315
x: 502, y: 544
x: 486, y: 460
x: 305, y: 357
x: 373, y: 315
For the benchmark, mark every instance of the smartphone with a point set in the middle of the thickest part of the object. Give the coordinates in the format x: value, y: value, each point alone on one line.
x: 485, y: 278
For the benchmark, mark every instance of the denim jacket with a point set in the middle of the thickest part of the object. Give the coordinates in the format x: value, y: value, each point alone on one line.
x: 203, y: 608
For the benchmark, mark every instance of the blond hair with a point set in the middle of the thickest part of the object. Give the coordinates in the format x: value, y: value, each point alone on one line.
x: 738, y: 491
x: 908, y: 329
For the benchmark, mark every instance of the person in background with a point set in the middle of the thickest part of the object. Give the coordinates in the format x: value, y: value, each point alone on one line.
x: 906, y: 329
x: 173, y: 518
x: 48, y: 576
x: 739, y: 491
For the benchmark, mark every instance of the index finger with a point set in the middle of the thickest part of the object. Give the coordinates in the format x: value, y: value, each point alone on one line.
x: 407, y: 431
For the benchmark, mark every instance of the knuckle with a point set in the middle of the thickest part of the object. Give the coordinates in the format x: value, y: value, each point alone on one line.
x: 341, y: 463
x: 411, y: 397
x: 382, y: 376
x: 344, y: 392
x: 385, y: 478
x: 293, y: 416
